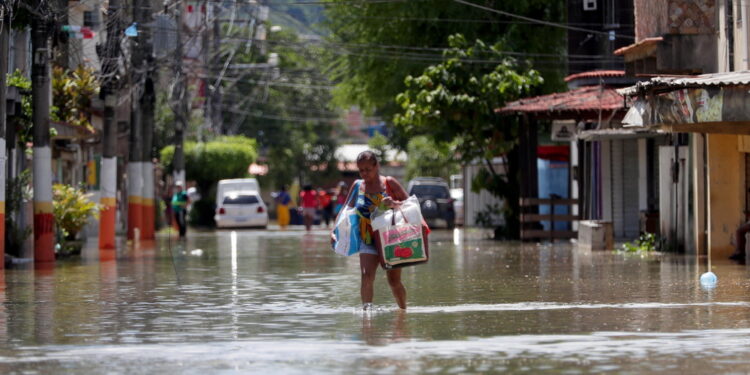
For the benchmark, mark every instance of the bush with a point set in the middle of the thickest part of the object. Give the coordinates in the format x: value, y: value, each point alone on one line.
x: 72, y: 209
x: 207, y: 163
x: 646, y: 242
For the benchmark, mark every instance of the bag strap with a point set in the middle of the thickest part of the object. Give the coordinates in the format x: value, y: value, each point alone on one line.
x: 356, y: 187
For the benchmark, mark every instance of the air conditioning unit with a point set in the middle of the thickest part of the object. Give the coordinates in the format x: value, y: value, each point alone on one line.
x: 589, y: 4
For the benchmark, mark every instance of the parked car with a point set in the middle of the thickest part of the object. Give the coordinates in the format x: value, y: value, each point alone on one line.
x: 235, y: 184
x: 434, y: 200
x: 458, y: 204
x: 241, y: 209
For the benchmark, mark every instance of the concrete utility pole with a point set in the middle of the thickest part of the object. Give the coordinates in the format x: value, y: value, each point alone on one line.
x: 215, y: 68
x: 179, y: 102
x: 108, y: 93
x: 135, y: 151
x: 4, y: 43
x: 148, y: 103
x: 44, y: 238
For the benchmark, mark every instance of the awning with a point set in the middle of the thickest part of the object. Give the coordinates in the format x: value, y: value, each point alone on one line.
x: 585, y: 103
x: 619, y: 133
x: 708, y: 103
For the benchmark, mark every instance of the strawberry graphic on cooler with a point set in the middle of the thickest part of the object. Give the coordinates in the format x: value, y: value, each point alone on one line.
x: 403, y: 252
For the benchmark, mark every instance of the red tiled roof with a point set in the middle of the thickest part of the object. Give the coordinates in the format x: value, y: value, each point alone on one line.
x: 596, y: 74
x: 581, y: 101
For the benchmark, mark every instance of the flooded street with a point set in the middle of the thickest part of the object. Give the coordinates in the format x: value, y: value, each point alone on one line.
x: 283, y: 302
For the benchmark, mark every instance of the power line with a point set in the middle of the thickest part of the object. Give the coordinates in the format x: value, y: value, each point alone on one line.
x: 468, y: 20
x: 415, y: 48
x: 542, y: 22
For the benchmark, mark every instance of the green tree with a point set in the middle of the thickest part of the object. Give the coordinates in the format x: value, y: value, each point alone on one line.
x: 379, y: 144
x: 454, y: 102
x: 377, y: 44
x: 429, y: 158
x: 286, y: 108
x: 207, y: 163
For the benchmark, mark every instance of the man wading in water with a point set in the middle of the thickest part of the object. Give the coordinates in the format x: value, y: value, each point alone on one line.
x: 371, y: 192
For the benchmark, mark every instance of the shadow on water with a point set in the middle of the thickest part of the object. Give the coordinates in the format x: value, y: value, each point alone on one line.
x: 283, y: 302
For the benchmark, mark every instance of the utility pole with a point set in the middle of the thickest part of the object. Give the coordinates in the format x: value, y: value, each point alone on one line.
x: 179, y: 103
x: 135, y: 151
x: 215, y: 68
x: 44, y: 238
x: 4, y: 44
x: 148, y: 103
x: 108, y: 93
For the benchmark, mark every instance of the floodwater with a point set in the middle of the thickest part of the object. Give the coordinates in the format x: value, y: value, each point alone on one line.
x: 284, y: 303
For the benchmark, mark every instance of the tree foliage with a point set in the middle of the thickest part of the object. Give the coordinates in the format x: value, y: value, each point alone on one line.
x: 379, y: 43
x: 286, y: 109
x: 428, y: 158
x: 72, y: 92
x: 207, y: 163
x: 455, y: 102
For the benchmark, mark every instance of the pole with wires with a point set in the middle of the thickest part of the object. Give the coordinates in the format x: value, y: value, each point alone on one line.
x: 148, y: 103
x: 135, y: 152
x: 179, y: 101
x: 108, y: 92
x: 44, y: 238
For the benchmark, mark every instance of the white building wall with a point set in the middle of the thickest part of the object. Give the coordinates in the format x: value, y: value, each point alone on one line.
x: 477, y: 202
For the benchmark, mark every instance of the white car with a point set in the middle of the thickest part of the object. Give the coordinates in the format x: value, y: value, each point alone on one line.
x: 241, y: 209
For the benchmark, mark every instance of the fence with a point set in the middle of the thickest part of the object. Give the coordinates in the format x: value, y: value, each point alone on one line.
x: 530, y: 231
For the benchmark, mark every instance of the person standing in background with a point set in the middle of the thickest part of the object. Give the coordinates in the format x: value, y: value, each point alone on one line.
x: 179, y: 207
x: 341, y: 195
x: 326, y: 206
x: 309, y: 203
x: 282, y: 207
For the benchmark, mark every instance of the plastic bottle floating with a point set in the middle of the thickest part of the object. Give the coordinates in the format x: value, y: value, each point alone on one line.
x: 403, y: 252
x: 708, y: 279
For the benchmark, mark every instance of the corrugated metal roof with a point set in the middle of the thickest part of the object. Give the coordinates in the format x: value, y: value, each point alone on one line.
x: 588, y: 98
x: 667, y: 82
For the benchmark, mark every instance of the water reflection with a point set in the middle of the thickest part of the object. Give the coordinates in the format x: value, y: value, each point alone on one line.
x: 283, y: 302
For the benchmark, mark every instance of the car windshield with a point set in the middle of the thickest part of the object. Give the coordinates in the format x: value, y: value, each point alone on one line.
x: 439, y: 192
x: 240, y: 199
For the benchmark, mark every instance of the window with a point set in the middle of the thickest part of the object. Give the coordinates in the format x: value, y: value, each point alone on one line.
x: 438, y: 192
x: 240, y: 199
x: 589, y: 4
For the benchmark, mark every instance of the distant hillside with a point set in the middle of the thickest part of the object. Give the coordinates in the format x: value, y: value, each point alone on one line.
x: 305, y: 19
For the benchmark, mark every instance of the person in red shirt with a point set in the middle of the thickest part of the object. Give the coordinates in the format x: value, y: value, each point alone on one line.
x: 326, y: 205
x: 309, y: 203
